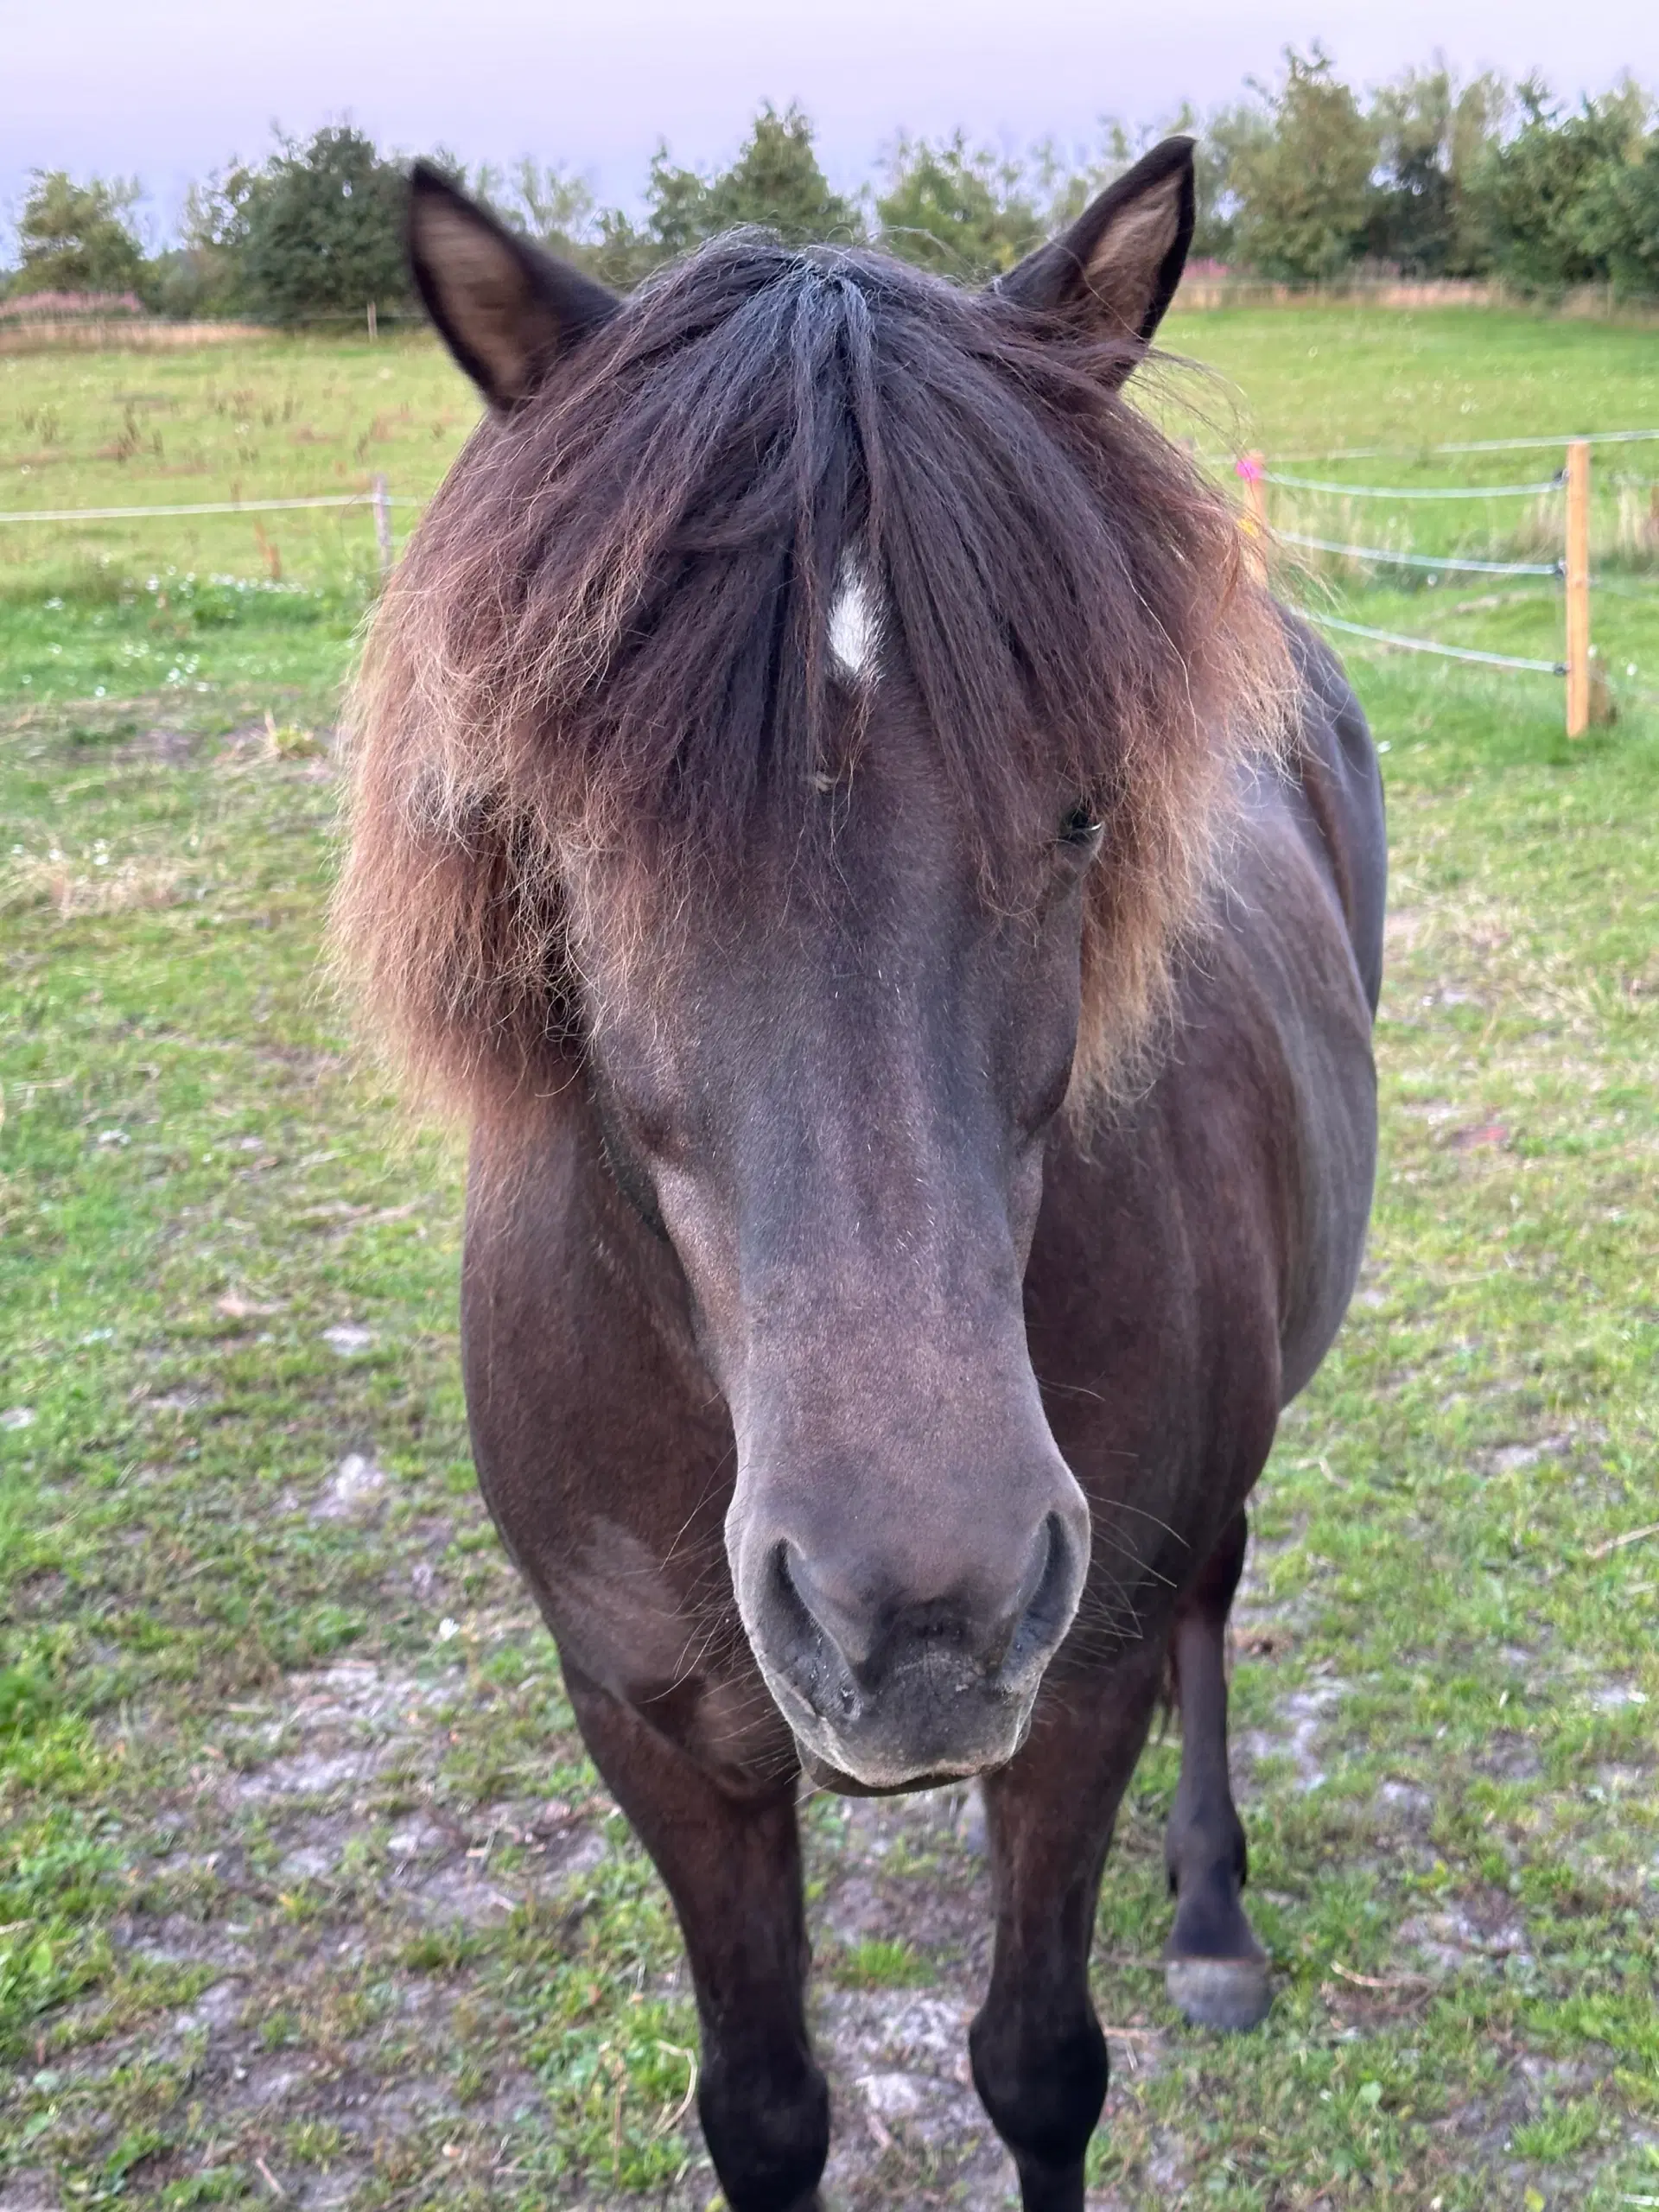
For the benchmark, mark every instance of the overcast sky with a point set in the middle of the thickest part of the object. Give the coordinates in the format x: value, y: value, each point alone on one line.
x: 165, y: 89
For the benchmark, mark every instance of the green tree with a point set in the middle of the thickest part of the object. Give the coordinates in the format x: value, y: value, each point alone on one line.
x: 1431, y: 138
x: 1231, y: 139
x: 79, y: 237
x: 203, y: 275
x: 324, y: 229
x: 957, y: 209
x: 1300, y: 169
x: 970, y: 213
x: 1559, y: 205
x: 623, y: 251
x: 553, y: 206
x: 1619, y: 221
x: 682, y: 210
x: 776, y: 182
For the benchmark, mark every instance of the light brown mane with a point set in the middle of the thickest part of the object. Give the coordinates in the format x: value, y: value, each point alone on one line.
x: 610, y: 635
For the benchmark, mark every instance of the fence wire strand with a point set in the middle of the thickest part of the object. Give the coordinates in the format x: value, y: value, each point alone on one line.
x: 1419, y: 491
x: 1429, y: 645
x: 1450, y: 563
x: 1482, y: 445
x: 1423, y: 559
x: 202, y: 508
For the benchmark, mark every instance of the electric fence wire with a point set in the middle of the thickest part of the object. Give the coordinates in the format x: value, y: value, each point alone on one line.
x: 1423, y: 560
x: 1415, y: 492
x: 201, y: 507
x: 1429, y: 645
x: 1481, y: 445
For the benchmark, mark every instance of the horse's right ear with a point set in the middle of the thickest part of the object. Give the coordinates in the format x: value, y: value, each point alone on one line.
x: 505, y: 310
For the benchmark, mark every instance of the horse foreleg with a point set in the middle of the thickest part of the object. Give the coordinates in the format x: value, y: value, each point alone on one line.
x: 1039, y: 2055
x: 1214, y: 1970
x: 733, y: 1868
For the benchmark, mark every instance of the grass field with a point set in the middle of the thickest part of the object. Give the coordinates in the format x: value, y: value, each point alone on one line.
x: 307, y: 1894
x: 297, y: 418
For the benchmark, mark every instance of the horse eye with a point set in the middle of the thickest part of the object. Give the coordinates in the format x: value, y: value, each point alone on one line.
x: 1082, y: 826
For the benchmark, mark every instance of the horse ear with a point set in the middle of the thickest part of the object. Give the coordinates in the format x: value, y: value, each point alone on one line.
x: 1116, y: 267
x: 505, y: 310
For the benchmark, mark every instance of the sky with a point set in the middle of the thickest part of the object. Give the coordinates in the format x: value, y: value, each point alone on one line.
x: 168, y: 89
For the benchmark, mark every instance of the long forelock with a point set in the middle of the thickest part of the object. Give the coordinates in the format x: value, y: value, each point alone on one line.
x: 634, y: 617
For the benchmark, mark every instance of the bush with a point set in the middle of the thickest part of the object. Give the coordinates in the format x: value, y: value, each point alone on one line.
x: 1300, y: 171
x: 79, y: 237
x: 961, y: 212
x: 1301, y: 182
x: 775, y: 182
x: 1432, y: 138
x: 1571, y: 200
x: 322, y: 230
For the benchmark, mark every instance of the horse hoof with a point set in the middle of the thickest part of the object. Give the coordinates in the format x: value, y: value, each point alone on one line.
x: 1231, y: 1994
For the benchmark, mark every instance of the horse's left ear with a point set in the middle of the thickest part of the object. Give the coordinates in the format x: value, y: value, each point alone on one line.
x: 1116, y: 267
x: 505, y: 310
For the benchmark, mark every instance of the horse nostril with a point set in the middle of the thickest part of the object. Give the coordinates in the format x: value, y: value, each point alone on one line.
x: 1047, y: 1598
x: 845, y: 1625
x: 802, y: 1644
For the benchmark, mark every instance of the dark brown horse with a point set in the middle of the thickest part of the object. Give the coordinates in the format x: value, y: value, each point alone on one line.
x: 902, y: 910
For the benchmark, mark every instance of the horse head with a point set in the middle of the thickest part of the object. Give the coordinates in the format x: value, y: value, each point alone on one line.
x: 794, y: 728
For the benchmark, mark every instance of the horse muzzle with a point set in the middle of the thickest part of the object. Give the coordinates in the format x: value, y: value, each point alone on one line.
x: 906, y: 1692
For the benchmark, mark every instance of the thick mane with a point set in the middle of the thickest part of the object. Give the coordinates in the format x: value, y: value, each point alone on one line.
x: 611, y: 634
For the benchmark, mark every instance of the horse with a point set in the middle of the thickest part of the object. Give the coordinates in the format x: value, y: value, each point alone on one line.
x: 837, y: 807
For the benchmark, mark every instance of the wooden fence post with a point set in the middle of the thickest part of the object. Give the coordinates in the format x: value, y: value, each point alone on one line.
x: 383, y: 524
x: 1252, y: 470
x: 1578, y: 587
x: 373, y: 323
x: 1587, y: 689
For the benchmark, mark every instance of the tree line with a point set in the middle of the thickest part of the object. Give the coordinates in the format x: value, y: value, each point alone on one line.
x: 1303, y: 181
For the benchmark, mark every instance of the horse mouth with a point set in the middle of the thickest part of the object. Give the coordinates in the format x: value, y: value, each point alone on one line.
x: 877, y: 1761
x: 823, y: 1776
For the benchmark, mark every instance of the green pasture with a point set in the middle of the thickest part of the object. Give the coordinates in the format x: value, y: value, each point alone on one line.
x: 276, y: 418
x: 291, y: 418
x: 1309, y: 380
x: 307, y: 1892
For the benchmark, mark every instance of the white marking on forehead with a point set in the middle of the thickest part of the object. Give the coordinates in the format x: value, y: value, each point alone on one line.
x: 854, y: 621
